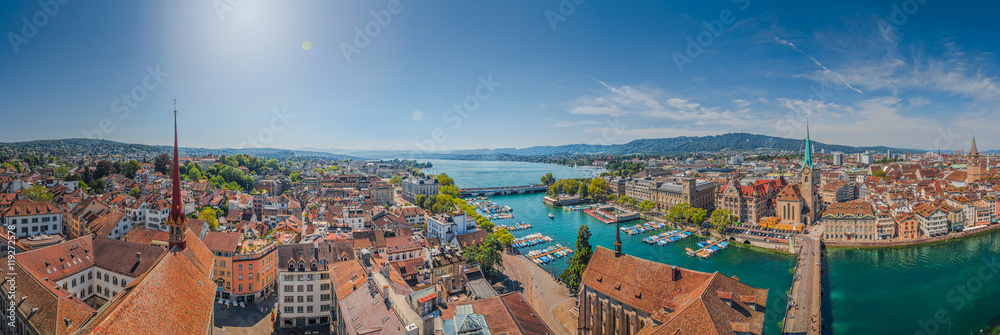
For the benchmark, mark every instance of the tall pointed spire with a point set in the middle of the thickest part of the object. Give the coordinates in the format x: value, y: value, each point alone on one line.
x: 807, y: 160
x: 618, y: 239
x: 974, y: 151
x: 177, y: 220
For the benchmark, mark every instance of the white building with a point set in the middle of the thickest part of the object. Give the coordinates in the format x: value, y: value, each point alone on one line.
x: 34, y: 218
x: 445, y: 227
x: 305, y: 297
x: 412, y: 187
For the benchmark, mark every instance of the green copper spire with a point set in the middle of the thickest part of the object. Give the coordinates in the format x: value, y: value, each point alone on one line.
x: 807, y: 160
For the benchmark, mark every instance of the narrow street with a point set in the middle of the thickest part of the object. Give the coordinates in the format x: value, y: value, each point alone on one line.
x: 549, y: 298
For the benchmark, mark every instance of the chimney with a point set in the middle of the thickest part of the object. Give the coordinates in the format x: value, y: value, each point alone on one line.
x: 138, y: 257
x: 676, y: 275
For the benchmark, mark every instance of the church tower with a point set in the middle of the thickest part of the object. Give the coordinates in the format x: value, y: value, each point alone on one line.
x: 975, y: 169
x: 177, y: 221
x: 808, y: 190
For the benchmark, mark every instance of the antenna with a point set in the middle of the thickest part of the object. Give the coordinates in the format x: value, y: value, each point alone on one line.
x: 175, y: 105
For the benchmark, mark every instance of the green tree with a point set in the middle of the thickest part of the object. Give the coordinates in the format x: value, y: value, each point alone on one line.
x: 61, y: 172
x: 582, y: 190
x: 396, y: 180
x: 581, y: 257
x: 548, y: 179
x: 696, y: 216
x: 210, y: 216
x: 295, y: 176
x: 38, y: 193
x: 444, y: 180
x: 450, y: 190
x: 646, y: 205
x: 419, y: 200
x: 162, y: 164
x: 135, y: 192
x: 429, y: 202
x: 130, y: 168
x: 487, y: 254
x: 504, y: 236
x: 597, y: 188
x: 722, y: 219
x: 678, y: 213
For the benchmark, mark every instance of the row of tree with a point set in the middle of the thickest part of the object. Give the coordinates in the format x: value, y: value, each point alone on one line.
x: 596, y: 188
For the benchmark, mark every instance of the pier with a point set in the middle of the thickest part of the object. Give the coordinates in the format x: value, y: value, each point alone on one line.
x: 501, y: 190
x: 553, y: 251
x: 804, y: 314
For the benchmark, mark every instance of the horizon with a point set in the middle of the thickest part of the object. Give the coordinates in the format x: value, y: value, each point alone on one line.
x: 462, y: 75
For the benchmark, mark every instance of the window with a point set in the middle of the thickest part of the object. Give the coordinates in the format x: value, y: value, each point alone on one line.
x: 324, y: 297
x: 251, y: 287
x: 241, y: 288
x: 309, y: 309
x: 34, y: 220
x: 34, y: 228
x: 240, y: 267
x: 123, y: 282
x: 309, y: 288
x: 324, y: 276
x: 251, y: 266
x: 45, y: 219
x: 309, y: 298
x: 116, y: 281
x: 251, y: 276
x: 301, y: 299
x: 90, y: 275
x: 288, y: 309
x: 74, y: 282
x: 324, y: 308
x: 324, y: 287
x: 288, y: 288
x: 289, y: 278
x: 300, y: 288
x: 241, y: 276
x: 289, y: 298
x: 300, y: 309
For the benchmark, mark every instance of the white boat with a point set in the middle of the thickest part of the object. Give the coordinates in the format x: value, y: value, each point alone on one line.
x: 552, y: 216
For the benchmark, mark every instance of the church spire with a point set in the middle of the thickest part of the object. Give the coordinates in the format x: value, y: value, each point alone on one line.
x: 807, y: 160
x: 974, y: 151
x: 177, y: 220
x: 618, y: 239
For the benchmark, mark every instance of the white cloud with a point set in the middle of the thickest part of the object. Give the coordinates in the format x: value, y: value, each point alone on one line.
x: 741, y: 103
x: 825, y: 72
x: 574, y: 123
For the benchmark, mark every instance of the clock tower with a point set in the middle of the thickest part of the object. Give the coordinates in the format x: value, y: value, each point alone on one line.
x: 975, y: 169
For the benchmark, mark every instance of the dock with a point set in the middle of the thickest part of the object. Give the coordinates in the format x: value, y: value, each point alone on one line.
x: 708, y: 249
x: 548, y: 252
x: 531, y: 240
x: 514, y: 227
x: 601, y: 214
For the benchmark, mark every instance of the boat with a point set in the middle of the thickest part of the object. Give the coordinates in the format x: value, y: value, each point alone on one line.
x: 552, y: 216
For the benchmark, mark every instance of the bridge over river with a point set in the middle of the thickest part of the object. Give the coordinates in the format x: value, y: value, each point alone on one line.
x: 502, y: 190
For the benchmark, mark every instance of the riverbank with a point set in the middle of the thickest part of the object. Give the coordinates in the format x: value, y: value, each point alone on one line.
x: 908, y: 243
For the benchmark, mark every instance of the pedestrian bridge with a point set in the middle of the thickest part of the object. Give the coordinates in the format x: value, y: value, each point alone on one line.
x: 502, y: 190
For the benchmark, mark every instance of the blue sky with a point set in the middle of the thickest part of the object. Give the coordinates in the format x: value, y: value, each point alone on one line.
x: 275, y: 73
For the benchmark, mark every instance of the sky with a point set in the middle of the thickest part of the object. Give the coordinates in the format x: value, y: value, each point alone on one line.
x: 445, y: 75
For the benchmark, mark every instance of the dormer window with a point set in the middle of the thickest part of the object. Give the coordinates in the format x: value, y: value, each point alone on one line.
x: 313, y: 266
x: 291, y: 266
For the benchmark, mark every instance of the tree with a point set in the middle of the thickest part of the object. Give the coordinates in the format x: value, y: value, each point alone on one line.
x: 135, y: 192
x: 487, y: 254
x: 722, y: 219
x: 696, y: 216
x: 429, y: 203
x: 38, y: 193
x: 598, y: 188
x: 581, y: 257
x: 444, y: 180
x: 61, y: 172
x: 504, y: 236
x: 548, y: 179
x: 104, y: 169
x: 419, y: 200
x: 450, y: 190
x: 678, y: 213
x: 582, y: 190
x: 162, y: 164
x: 613, y: 197
x: 295, y: 176
x: 396, y: 180
x: 210, y: 216
x: 646, y: 205
x: 130, y: 168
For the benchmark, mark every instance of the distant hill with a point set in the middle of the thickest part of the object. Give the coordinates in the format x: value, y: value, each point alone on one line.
x: 732, y: 142
x: 104, y: 147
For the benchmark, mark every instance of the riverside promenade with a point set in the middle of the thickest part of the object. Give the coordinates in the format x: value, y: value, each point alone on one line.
x: 804, y: 313
x: 549, y: 298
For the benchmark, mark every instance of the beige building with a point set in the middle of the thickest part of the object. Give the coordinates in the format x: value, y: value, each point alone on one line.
x: 850, y: 221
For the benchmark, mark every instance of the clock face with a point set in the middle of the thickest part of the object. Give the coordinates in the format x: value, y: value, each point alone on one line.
x: 974, y: 160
